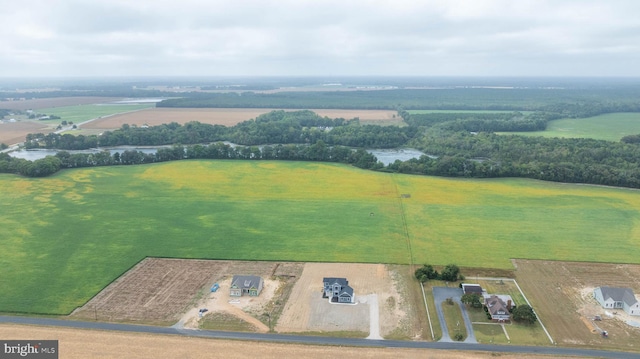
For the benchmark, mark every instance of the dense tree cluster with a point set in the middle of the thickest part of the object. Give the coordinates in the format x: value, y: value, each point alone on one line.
x: 38, y: 168
x: 276, y: 127
x: 524, y: 314
x: 578, y: 160
x: 450, y: 273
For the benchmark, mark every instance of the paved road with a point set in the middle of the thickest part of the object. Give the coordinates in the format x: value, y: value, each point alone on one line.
x: 304, y: 339
x: 440, y: 294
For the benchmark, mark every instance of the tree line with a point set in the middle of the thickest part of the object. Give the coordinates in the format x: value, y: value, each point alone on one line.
x: 319, y: 151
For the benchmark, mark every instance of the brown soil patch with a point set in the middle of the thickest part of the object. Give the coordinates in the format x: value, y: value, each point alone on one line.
x: 306, y: 310
x: 221, y: 116
x: 88, y: 344
x: 562, y: 295
x: 15, y: 132
x: 170, y: 291
x: 39, y: 103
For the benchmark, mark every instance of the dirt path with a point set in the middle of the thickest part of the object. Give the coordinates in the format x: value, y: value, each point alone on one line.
x: 220, y: 301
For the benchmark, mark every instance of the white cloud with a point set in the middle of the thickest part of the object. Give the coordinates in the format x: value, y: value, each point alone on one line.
x: 304, y: 37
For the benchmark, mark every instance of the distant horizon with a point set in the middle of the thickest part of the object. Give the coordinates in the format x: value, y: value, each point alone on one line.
x: 504, y: 38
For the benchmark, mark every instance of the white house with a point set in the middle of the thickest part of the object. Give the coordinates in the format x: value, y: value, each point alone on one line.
x: 617, y: 298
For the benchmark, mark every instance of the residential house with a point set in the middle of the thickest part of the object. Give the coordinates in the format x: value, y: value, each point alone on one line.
x: 338, y: 290
x: 246, y: 284
x: 499, y: 306
x: 617, y: 298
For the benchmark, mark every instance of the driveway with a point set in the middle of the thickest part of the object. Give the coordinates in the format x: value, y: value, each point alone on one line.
x: 440, y: 294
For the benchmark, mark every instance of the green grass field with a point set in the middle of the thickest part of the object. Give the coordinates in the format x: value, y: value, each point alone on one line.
x: 82, y: 113
x: 610, y: 127
x: 67, y: 236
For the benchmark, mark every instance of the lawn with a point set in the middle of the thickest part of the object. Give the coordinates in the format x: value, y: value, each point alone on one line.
x: 67, y: 236
x: 610, y: 127
x: 455, y: 322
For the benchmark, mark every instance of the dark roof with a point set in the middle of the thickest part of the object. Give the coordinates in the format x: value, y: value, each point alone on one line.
x: 331, y: 281
x: 471, y: 288
x: 619, y: 295
x: 246, y: 281
x: 346, y: 290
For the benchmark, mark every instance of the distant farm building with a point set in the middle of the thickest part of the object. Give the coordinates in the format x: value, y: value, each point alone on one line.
x: 617, y: 298
x: 246, y: 284
x: 338, y: 290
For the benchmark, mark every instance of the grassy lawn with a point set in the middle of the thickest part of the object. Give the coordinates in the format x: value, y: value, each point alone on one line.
x: 435, y: 323
x: 610, y: 127
x: 82, y: 113
x: 489, y: 333
x: 503, y: 287
x: 67, y: 236
x: 455, y: 322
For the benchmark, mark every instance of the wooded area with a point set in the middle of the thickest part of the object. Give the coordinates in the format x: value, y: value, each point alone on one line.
x: 458, y: 144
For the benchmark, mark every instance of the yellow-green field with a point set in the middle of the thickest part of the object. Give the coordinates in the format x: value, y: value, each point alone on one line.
x: 67, y: 236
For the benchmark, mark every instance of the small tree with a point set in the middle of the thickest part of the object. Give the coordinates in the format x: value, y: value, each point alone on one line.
x: 524, y: 313
x: 471, y: 299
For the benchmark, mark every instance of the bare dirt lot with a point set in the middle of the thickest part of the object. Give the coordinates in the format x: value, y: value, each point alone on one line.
x: 562, y: 295
x: 221, y: 116
x: 88, y: 344
x: 170, y: 291
x: 306, y: 311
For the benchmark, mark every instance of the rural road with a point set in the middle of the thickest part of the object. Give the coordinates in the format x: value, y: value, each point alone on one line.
x: 313, y: 340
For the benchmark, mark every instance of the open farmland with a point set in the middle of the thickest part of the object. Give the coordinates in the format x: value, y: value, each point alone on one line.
x: 224, y: 116
x: 562, y: 294
x: 67, y: 236
x: 14, y: 132
x: 610, y: 127
x: 46, y: 103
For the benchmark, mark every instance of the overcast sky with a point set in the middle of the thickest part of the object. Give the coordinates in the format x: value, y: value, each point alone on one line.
x: 319, y: 38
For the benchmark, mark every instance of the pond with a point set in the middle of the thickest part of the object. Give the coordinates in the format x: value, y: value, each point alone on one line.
x: 386, y: 156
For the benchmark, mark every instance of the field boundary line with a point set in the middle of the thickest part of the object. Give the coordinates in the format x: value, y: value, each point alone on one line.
x: 424, y: 297
x: 526, y: 300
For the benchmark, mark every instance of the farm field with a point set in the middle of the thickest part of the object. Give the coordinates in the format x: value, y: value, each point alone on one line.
x: 68, y: 236
x: 11, y: 133
x: 562, y: 295
x: 88, y: 344
x: 223, y: 116
x: 14, y: 132
x: 47, y: 103
x: 81, y: 113
x: 610, y: 127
